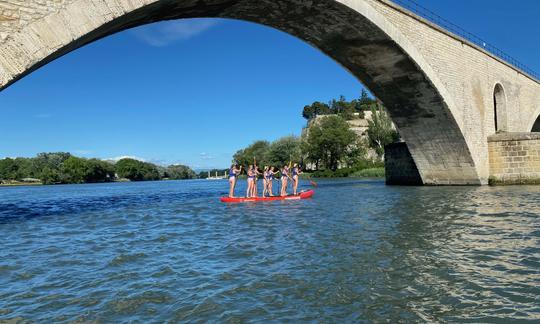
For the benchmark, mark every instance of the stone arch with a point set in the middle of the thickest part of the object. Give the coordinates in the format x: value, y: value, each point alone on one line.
x: 536, y: 125
x: 351, y: 32
x: 499, y: 109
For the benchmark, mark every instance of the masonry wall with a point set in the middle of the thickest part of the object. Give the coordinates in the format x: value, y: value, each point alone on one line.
x: 514, y: 158
x: 399, y: 165
x: 470, y: 74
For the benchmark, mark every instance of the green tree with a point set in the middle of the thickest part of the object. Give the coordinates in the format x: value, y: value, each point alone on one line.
x: 331, y: 142
x: 365, y: 102
x: 343, y: 108
x: 98, y: 171
x: 74, y: 170
x: 49, y: 176
x: 283, y: 151
x: 315, y: 109
x: 180, y: 172
x: 380, y: 131
x: 135, y: 170
x: 258, y: 150
x: 8, y: 169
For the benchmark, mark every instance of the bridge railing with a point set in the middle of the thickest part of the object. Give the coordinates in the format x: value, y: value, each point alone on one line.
x: 425, y: 13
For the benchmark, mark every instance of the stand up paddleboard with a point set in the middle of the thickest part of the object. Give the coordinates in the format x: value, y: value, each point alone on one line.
x: 302, y: 195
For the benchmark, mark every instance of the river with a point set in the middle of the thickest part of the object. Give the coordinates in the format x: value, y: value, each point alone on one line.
x: 359, y: 251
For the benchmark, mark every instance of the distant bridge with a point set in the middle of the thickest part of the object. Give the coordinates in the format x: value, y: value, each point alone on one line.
x: 446, y: 94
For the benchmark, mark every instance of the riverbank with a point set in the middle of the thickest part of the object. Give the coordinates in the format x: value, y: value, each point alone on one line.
x: 374, y: 172
x: 19, y: 184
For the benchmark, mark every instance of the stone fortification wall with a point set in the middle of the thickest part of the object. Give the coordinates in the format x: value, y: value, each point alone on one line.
x: 514, y: 158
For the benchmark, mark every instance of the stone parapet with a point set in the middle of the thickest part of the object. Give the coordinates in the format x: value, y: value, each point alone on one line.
x: 514, y: 158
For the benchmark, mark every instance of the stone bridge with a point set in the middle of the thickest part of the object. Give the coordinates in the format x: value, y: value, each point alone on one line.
x: 445, y: 94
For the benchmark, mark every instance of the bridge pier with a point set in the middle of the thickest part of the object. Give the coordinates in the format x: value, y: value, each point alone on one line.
x: 399, y: 166
x: 514, y: 158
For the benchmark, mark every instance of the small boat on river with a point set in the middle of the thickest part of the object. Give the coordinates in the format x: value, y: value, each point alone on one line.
x: 302, y: 195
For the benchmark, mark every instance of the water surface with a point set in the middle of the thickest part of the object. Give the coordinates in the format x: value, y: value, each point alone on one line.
x: 359, y: 252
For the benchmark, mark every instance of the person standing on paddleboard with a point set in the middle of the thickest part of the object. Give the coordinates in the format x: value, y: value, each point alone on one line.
x: 265, y: 181
x: 284, y: 179
x: 295, y: 175
x: 255, y: 191
x: 271, y: 174
x: 234, y: 172
x: 250, y: 181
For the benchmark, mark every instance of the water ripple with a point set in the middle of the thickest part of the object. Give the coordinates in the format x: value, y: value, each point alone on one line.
x: 170, y: 252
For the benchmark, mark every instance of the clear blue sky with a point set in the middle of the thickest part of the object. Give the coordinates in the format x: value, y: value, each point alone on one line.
x: 181, y: 92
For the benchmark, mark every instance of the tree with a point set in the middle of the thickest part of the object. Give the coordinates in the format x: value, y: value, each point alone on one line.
x: 135, y: 170
x: 258, y: 150
x: 283, y: 151
x: 8, y: 169
x: 79, y: 170
x: 49, y: 176
x: 380, y: 131
x: 74, y: 170
x: 330, y: 142
x: 179, y: 172
x: 315, y: 109
x: 342, y: 107
x: 98, y: 171
x: 365, y: 102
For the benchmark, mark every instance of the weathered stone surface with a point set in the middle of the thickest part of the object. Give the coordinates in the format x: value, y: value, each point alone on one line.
x: 514, y: 158
x: 399, y: 166
x: 439, y: 89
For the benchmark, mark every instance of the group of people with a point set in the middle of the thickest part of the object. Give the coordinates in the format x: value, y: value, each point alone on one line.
x: 268, y: 175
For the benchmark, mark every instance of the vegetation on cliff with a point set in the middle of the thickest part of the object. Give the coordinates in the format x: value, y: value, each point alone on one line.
x: 329, y: 147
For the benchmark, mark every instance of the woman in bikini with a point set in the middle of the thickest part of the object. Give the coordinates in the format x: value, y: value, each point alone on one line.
x: 234, y: 172
x: 255, y: 190
x: 284, y: 179
x: 295, y: 173
x: 270, y: 180
x: 250, y: 181
x: 265, y: 181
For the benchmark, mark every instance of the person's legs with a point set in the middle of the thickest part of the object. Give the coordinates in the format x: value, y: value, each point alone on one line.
x: 295, y: 185
x: 231, y: 187
x: 249, y: 187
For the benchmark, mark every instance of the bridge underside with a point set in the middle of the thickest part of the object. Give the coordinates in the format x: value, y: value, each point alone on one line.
x: 370, y: 48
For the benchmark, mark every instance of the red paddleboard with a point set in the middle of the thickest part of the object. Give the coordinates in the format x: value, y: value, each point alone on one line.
x: 302, y: 195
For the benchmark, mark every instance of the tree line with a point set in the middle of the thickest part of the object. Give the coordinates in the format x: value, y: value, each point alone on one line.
x: 346, y: 109
x: 328, y: 146
x: 64, y: 168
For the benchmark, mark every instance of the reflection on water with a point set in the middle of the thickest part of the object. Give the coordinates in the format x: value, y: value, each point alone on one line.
x: 358, y: 251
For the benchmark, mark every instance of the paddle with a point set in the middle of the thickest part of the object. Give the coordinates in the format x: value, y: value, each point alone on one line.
x: 311, y: 181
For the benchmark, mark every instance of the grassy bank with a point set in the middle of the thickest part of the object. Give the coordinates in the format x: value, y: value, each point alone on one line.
x: 373, y: 172
x: 369, y: 173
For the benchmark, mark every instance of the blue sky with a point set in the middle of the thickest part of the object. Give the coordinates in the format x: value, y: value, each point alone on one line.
x: 182, y: 91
